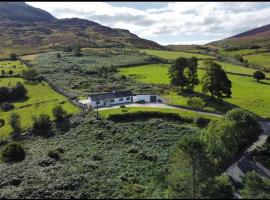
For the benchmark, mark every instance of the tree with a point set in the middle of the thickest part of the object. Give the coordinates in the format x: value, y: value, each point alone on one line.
x: 229, y: 136
x: 196, y: 103
x: 255, y: 187
x: 13, y: 152
x: 13, y: 56
x: 59, y: 113
x: 191, y: 72
x: 258, y: 75
x: 18, y: 92
x: 15, y: 122
x: 11, y: 72
x: 176, y: 73
x: 219, y: 187
x: 193, y: 150
x: 216, y: 81
x: 3, y: 72
x: 29, y: 74
x: 41, y: 124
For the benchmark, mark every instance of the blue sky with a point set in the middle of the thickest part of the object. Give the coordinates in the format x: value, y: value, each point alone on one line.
x: 169, y: 22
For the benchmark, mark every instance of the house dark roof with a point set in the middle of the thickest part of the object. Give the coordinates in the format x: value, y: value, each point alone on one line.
x: 110, y: 95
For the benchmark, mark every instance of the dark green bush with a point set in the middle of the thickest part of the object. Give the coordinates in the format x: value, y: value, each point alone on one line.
x: 54, y: 154
x: 201, y: 122
x: 122, y: 106
x: 2, y: 122
x: 13, y: 152
x: 145, y: 115
x: 6, y: 107
x: 41, y: 125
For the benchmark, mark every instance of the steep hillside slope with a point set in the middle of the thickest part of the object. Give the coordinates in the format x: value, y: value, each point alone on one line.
x: 20, y: 11
x: 38, y: 31
x: 255, y: 38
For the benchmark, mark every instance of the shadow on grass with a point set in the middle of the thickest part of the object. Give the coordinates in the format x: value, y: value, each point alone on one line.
x: 217, y: 105
x: 264, y: 83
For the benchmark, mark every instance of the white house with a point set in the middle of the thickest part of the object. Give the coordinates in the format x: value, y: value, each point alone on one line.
x: 117, y: 98
x: 110, y: 98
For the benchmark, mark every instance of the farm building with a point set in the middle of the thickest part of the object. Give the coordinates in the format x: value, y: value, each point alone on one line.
x: 117, y: 98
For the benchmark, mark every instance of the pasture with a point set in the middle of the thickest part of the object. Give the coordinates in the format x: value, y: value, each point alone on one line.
x: 246, y: 92
x: 41, y: 100
x: 259, y: 59
x: 15, y: 66
x: 170, y: 55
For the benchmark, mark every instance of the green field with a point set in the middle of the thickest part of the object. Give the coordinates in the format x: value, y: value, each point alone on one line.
x: 15, y: 66
x: 246, y: 92
x: 241, y: 52
x: 173, y: 54
x: 259, y: 59
x: 183, y: 113
x: 41, y: 100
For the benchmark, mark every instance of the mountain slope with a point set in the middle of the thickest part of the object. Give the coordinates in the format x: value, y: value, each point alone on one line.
x: 20, y: 11
x: 255, y: 38
x: 38, y: 32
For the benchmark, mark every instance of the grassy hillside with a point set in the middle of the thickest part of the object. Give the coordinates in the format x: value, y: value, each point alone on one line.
x: 41, y: 100
x: 173, y: 54
x: 259, y: 59
x: 256, y: 99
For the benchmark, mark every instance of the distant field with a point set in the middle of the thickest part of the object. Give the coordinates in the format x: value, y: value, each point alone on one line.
x: 15, y: 66
x: 241, y: 52
x: 173, y: 54
x: 184, y: 113
x: 41, y: 100
x: 246, y: 92
x: 260, y: 59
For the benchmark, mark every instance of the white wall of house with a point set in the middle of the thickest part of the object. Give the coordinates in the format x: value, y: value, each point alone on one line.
x: 115, y: 101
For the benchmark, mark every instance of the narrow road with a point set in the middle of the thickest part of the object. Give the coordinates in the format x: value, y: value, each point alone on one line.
x: 160, y: 105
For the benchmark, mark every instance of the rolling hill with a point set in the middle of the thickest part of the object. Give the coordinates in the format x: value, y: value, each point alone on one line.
x: 24, y: 30
x: 255, y: 38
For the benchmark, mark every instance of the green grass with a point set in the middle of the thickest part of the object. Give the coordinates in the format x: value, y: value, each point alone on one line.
x: 173, y: 54
x: 241, y: 52
x: 15, y: 66
x: 259, y: 59
x: 183, y: 113
x: 246, y: 92
x: 41, y: 99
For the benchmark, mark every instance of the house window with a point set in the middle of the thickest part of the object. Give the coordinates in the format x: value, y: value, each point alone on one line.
x: 121, y: 99
x: 112, y: 100
x: 128, y: 98
x: 98, y: 102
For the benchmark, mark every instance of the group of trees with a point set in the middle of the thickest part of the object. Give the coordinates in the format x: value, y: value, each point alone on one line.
x: 29, y: 74
x: 183, y: 74
x: 202, y: 156
x: 13, y: 93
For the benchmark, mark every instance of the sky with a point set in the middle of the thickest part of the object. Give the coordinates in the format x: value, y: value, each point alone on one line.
x: 168, y: 22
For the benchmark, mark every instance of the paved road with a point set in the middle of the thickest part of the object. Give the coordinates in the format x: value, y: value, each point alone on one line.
x: 159, y: 105
x: 246, y: 163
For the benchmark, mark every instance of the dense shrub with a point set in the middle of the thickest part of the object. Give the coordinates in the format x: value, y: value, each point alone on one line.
x: 54, y: 154
x: 13, y: 152
x: 13, y: 93
x: 59, y: 113
x: 122, y: 106
x: 145, y: 115
x: 41, y: 125
x: 201, y: 122
x: 6, y: 107
x: 15, y: 122
x: 29, y: 74
x: 2, y: 122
